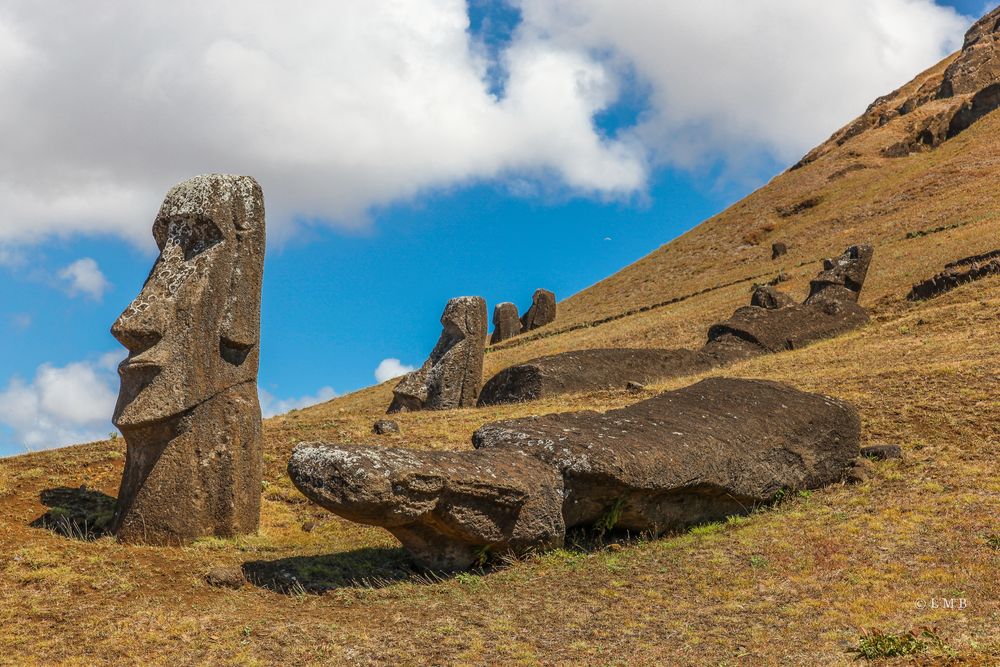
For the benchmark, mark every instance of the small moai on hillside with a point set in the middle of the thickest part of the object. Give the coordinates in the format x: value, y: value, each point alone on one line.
x: 542, y: 311
x: 506, y: 322
x: 453, y: 375
x: 188, y: 402
x: 778, y: 249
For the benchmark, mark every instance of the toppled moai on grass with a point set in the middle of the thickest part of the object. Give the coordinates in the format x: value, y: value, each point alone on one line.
x: 506, y: 323
x: 188, y: 402
x: 541, y: 312
x: 717, y: 448
x: 959, y: 272
x: 452, y: 375
x: 772, y: 323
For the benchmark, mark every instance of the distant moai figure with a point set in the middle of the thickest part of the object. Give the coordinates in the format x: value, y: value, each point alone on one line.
x: 188, y: 403
x: 506, y: 322
x: 778, y: 249
x: 453, y: 374
x: 541, y: 312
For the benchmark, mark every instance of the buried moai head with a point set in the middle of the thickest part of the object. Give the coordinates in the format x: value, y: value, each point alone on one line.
x: 452, y: 375
x: 193, y: 330
x: 842, y: 278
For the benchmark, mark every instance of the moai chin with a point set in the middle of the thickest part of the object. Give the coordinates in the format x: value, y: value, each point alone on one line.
x: 188, y: 402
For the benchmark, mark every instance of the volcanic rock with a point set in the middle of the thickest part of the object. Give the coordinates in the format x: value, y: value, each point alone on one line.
x: 188, y: 403
x: 452, y: 375
x: 588, y: 370
x: 957, y: 273
x: 449, y: 509
x: 771, y: 324
x: 767, y: 296
x: 226, y: 577
x: 716, y: 448
x: 506, y: 323
x: 384, y: 426
x: 541, y: 312
x: 778, y: 249
x: 882, y: 452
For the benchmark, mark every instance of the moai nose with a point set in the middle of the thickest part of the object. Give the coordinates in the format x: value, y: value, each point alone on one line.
x: 140, y: 326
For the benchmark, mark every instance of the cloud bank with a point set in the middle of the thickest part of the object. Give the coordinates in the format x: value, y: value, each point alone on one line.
x: 271, y: 405
x: 62, y: 405
x: 341, y: 107
x: 391, y: 368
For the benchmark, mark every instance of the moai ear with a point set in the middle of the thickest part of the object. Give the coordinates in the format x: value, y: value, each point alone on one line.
x: 241, y: 319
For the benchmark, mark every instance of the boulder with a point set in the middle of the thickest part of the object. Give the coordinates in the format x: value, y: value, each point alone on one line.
x: 385, y: 426
x: 452, y: 375
x: 767, y: 296
x: 449, y: 509
x: 226, y: 577
x: 714, y: 449
x: 188, y: 402
x: 541, y: 312
x: 588, y: 370
x: 778, y: 249
x: 506, y: 323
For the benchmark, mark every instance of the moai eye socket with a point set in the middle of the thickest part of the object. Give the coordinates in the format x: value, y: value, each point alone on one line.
x: 193, y: 235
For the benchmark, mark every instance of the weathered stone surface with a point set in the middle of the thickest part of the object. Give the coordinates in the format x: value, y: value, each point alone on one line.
x: 541, y: 312
x: 188, y: 402
x: 506, y: 323
x: 959, y: 272
x: 452, y: 375
x: 842, y: 278
x: 771, y: 324
x: 769, y: 297
x: 633, y: 387
x: 587, y: 370
x: 778, y: 249
x: 716, y: 448
x: 447, y: 508
x: 791, y: 327
x: 384, y: 426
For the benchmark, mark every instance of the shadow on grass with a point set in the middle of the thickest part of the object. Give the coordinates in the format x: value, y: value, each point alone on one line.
x: 370, y: 567
x: 80, y: 514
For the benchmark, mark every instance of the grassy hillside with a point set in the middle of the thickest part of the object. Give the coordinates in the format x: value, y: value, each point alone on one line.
x: 794, y: 584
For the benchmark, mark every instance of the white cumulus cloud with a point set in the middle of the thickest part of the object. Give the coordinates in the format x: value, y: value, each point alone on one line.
x: 734, y: 80
x: 271, y: 405
x: 62, y: 405
x: 343, y: 106
x: 391, y: 368
x: 84, y: 277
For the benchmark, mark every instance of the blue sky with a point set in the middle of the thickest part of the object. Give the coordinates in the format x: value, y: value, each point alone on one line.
x: 362, y: 271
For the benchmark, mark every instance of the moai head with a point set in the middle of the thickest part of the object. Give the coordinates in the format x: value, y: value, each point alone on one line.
x: 194, y: 329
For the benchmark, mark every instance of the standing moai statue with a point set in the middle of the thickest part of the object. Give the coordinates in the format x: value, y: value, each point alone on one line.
x: 453, y: 374
x: 541, y: 312
x: 506, y: 323
x: 188, y: 403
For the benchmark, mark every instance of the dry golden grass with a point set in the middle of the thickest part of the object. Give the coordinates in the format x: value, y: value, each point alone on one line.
x: 790, y: 585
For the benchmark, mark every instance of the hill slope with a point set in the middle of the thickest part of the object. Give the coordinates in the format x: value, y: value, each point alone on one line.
x: 791, y: 585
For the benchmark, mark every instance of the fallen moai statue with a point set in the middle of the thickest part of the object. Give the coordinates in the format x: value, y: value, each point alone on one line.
x: 452, y: 375
x: 957, y: 273
x: 714, y: 449
x: 541, y: 312
x: 772, y: 323
x: 188, y: 402
x: 506, y: 323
